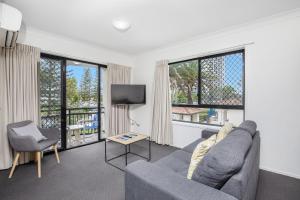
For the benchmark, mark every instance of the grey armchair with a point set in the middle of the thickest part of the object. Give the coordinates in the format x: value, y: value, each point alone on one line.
x: 29, y: 144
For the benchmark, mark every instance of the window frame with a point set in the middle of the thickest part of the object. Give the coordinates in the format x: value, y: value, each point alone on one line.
x: 200, y: 105
x: 63, y: 106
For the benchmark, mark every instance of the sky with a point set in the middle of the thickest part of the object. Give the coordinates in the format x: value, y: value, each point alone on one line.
x: 78, y: 71
x: 234, y: 68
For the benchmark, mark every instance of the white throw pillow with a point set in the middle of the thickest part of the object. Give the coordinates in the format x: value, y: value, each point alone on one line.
x: 199, y: 153
x: 224, y: 131
x: 30, y: 130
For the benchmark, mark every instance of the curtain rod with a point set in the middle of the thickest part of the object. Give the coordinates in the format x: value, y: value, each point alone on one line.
x: 223, y: 50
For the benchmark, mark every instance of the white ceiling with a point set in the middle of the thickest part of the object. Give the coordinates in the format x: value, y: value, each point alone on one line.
x: 155, y: 23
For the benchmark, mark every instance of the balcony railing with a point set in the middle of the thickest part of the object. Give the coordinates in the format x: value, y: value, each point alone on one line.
x: 75, y: 116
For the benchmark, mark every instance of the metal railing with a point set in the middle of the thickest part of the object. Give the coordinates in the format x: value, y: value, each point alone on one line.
x: 75, y: 116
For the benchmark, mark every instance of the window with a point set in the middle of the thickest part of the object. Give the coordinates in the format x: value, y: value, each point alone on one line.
x: 209, y: 89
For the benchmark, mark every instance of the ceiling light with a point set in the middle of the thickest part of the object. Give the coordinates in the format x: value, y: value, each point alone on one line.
x: 121, y: 25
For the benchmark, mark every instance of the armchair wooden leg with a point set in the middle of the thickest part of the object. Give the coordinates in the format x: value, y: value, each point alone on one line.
x: 14, y: 165
x: 38, y: 156
x: 56, y: 153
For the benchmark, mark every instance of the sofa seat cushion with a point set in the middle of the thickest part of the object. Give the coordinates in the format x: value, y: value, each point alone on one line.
x: 177, y: 162
x: 224, y: 159
x: 191, y: 147
x: 46, y: 143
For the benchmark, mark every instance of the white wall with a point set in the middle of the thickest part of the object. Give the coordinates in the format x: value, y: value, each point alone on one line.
x: 272, y: 85
x: 64, y: 46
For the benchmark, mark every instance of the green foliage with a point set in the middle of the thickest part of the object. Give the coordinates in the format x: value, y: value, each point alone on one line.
x: 72, y: 93
x: 203, y: 116
x: 86, y: 86
x: 183, y: 79
x: 229, y: 92
x: 181, y: 97
x: 50, y: 85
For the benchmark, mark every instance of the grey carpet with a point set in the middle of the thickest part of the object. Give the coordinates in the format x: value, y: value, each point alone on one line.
x: 83, y: 175
x: 273, y: 186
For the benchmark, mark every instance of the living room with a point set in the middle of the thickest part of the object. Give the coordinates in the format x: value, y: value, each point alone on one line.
x: 202, y: 94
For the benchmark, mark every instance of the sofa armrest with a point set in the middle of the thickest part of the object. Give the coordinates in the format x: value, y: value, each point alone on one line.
x: 147, y: 181
x: 206, y: 133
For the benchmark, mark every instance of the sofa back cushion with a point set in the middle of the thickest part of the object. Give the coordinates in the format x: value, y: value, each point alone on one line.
x: 224, y: 159
x: 243, y: 184
x: 249, y: 126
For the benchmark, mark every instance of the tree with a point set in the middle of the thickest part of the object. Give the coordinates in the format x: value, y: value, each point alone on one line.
x: 183, y: 77
x: 72, y: 92
x: 50, y: 85
x: 95, y: 87
x: 86, y: 86
x: 228, y: 92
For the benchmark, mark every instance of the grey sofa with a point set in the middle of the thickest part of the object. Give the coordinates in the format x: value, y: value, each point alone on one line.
x: 166, y: 179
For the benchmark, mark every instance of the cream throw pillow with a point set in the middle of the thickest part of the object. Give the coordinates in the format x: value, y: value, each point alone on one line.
x: 199, y: 152
x: 223, y: 132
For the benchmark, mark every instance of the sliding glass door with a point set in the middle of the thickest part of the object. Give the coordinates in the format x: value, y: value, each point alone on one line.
x: 82, y: 111
x: 72, y: 99
x: 51, y: 100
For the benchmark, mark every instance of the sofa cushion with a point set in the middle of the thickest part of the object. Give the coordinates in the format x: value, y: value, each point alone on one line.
x: 46, y: 143
x: 224, y: 131
x: 198, y: 154
x: 177, y: 162
x: 191, y: 147
x: 242, y: 185
x: 224, y: 159
x: 249, y: 126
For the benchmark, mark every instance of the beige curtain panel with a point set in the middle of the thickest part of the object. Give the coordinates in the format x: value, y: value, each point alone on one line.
x: 118, y: 115
x: 162, y: 131
x: 19, y: 98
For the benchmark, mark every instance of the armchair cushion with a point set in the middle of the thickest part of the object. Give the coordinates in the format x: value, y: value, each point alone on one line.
x: 30, y: 130
x: 44, y: 144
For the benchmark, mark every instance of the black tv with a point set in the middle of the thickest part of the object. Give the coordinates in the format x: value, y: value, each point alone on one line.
x: 128, y: 94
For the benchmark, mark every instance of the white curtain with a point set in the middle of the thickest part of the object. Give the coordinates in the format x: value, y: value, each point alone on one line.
x: 118, y: 115
x: 162, y: 131
x: 19, y: 98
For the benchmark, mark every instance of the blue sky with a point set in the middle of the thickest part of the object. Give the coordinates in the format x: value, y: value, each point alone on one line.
x: 234, y: 68
x: 78, y: 71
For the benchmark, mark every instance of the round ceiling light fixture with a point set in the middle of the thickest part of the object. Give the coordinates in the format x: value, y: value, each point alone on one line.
x: 121, y: 25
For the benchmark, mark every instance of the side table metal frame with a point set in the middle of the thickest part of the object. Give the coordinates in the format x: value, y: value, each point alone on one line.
x: 127, y: 151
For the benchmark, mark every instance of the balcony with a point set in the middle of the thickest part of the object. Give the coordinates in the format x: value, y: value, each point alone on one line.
x: 82, y: 124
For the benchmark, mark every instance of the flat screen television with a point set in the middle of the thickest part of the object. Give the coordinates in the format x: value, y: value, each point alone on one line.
x: 128, y: 94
